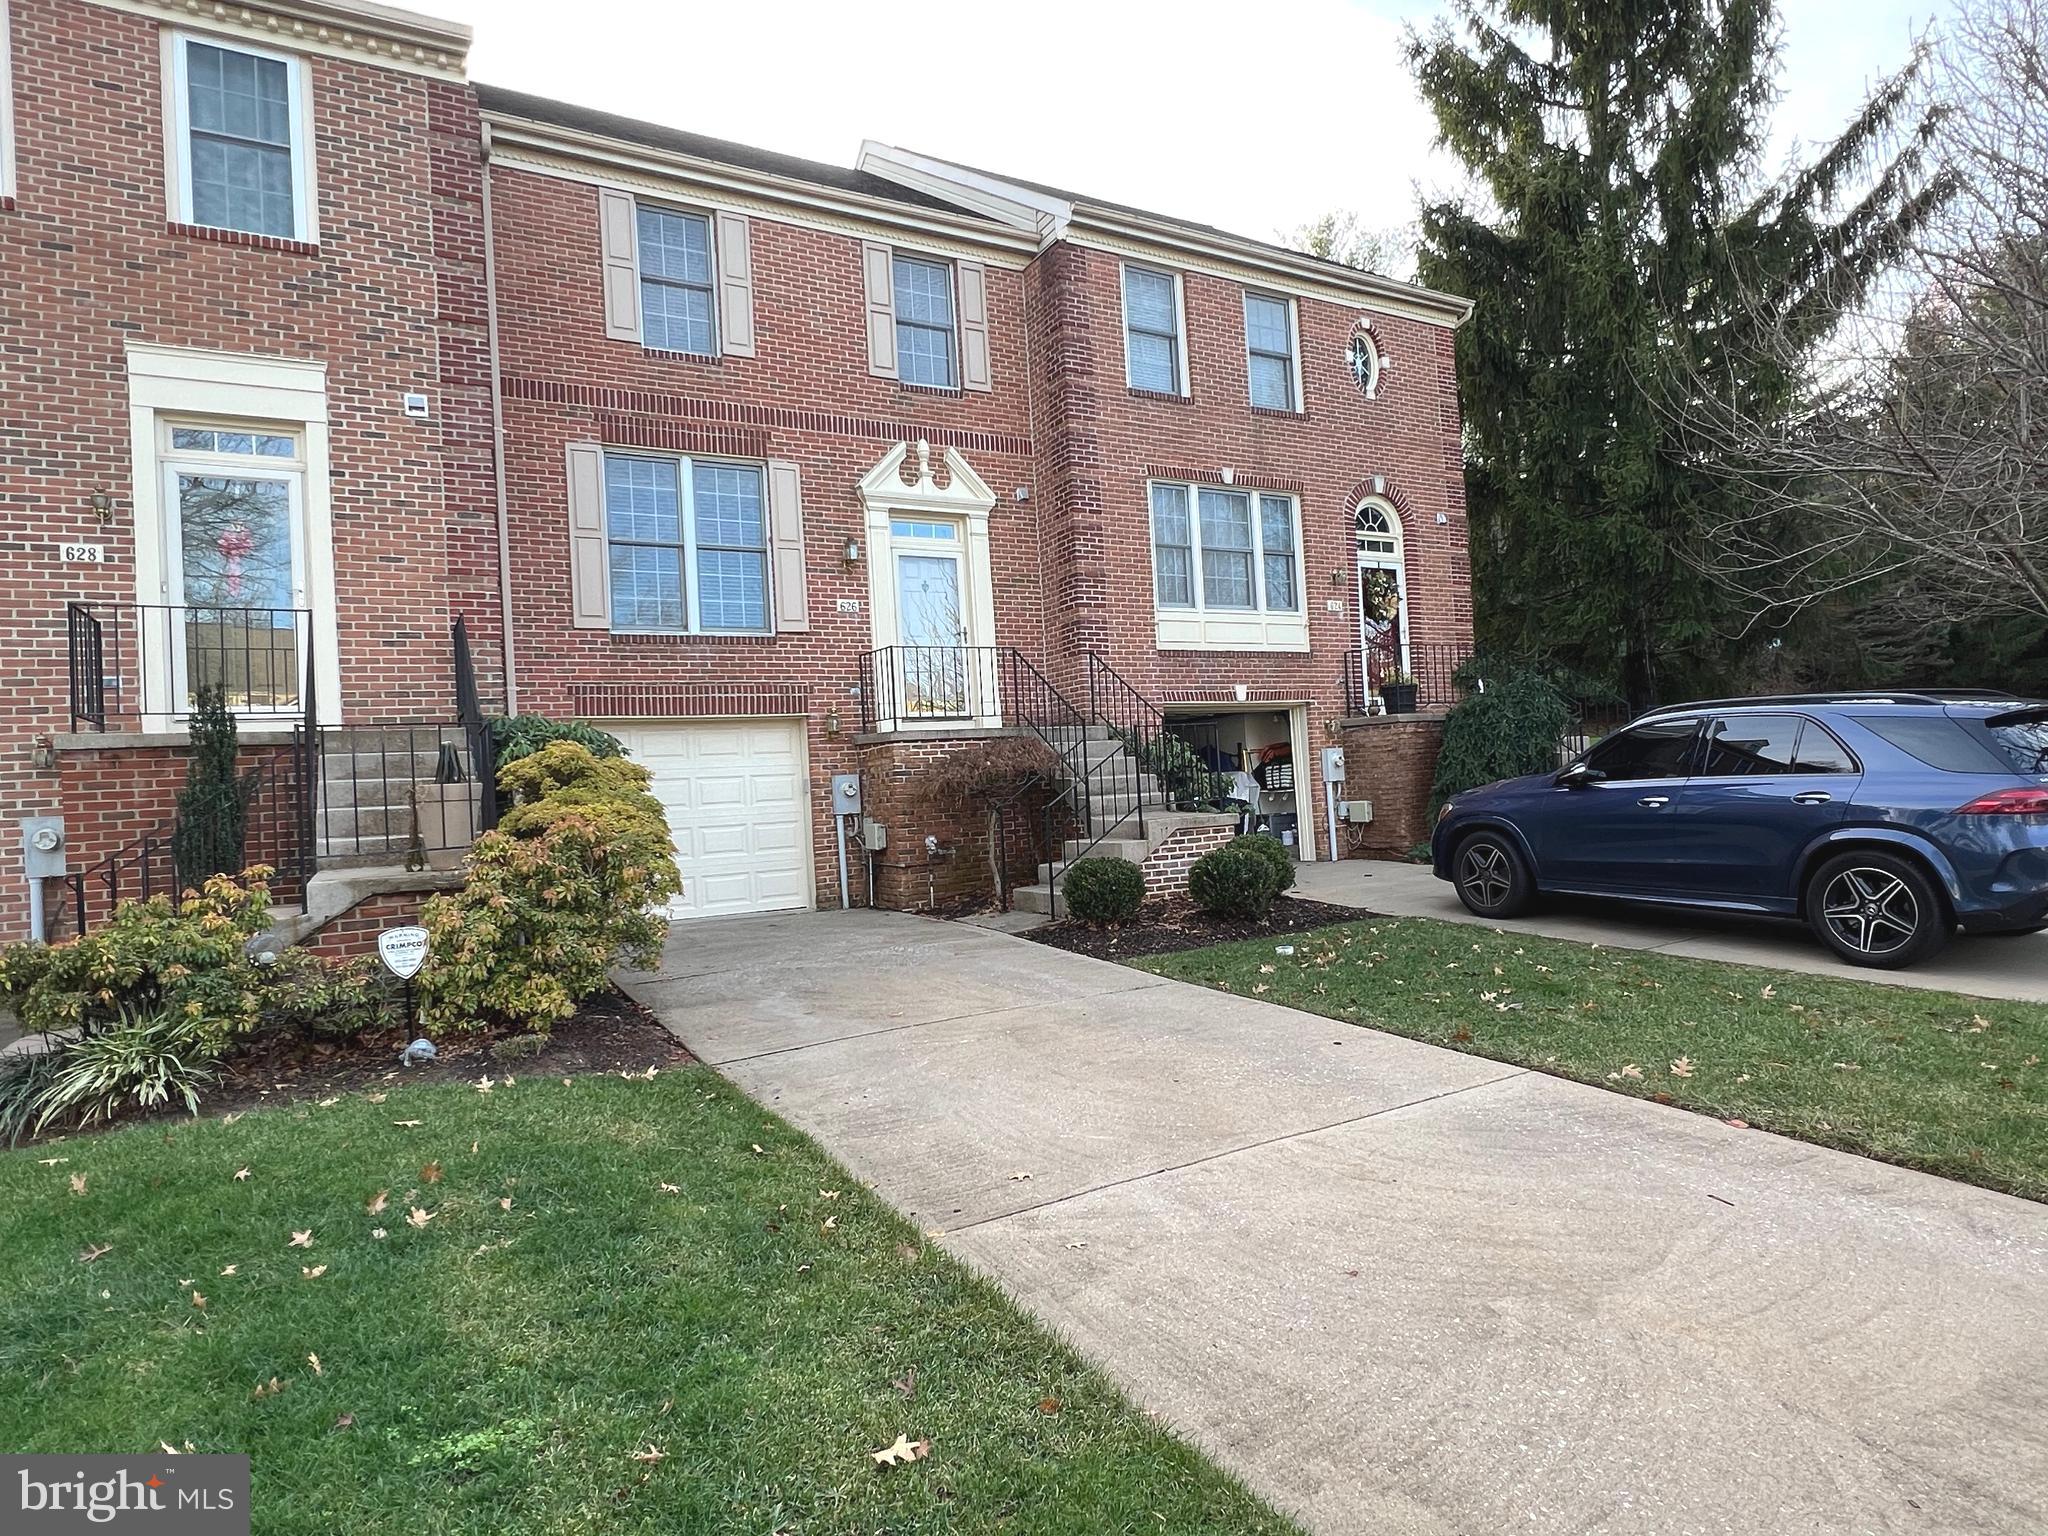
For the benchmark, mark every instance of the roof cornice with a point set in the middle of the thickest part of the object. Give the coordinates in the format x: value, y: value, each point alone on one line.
x: 600, y: 154
x: 1369, y: 288
x: 356, y: 29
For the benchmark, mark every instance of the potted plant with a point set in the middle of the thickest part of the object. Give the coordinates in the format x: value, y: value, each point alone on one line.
x: 1397, y: 692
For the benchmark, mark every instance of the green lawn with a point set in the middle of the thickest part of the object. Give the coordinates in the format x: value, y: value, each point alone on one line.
x: 659, y: 1334
x: 1953, y: 1085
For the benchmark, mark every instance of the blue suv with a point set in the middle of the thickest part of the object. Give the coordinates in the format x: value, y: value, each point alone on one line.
x: 1885, y: 820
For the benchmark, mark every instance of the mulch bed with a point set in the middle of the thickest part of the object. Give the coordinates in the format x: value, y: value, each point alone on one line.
x: 1167, y: 927
x: 611, y: 1033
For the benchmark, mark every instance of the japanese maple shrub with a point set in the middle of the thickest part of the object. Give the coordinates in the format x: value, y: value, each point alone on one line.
x: 572, y: 882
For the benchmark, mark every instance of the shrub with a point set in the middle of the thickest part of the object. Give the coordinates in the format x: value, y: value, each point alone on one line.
x: 1103, y: 890
x: 1233, y: 882
x: 323, y: 999
x: 180, y: 959
x: 1274, y: 852
x: 517, y: 736
x: 213, y: 807
x: 569, y: 885
x: 1511, y: 728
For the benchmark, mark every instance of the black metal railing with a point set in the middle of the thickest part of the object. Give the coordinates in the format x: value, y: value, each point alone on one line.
x: 276, y: 807
x: 476, y: 729
x: 132, y: 661
x: 1432, y: 670
x: 919, y: 684
x: 399, y: 793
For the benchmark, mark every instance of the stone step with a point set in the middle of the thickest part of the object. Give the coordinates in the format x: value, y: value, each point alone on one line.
x: 1032, y: 898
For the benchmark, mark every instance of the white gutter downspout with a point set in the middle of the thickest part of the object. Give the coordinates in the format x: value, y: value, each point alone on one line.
x: 498, y: 437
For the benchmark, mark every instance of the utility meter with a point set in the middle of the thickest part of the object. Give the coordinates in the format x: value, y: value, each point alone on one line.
x: 42, y: 846
x: 846, y: 794
x: 1333, y: 765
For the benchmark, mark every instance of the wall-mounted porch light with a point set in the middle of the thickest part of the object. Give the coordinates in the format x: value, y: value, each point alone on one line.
x: 103, y: 506
x: 853, y: 551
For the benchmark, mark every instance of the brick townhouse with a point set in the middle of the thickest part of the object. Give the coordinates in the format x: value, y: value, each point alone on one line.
x: 779, y: 470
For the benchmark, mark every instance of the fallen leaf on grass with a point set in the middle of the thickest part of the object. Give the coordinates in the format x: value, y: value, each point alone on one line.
x: 301, y: 1239
x: 379, y: 1233
x: 906, y: 1383
x: 431, y: 1174
x: 329, y: 1103
x: 505, y: 1204
x: 377, y: 1098
x: 268, y: 1388
x: 78, y: 1183
x: 409, y: 1124
x: 377, y: 1202
x: 650, y: 1452
x: 831, y: 1224
x: 1682, y: 1067
x: 666, y: 1189
x: 314, y: 1361
x: 51, y: 1162
x: 417, y: 1217
x: 902, y: 1453
x: 1768, y: 992
x: 759, y: 1150
x: 241, y: 1174
x: 484, y: 1085
x: 199, y: 1301
x: 346, y: 1421
x: 229, y: 1270
x: 1048, y: 1405
x: 828, y: 1194
x: 94, y: 1251
x: 313, y: 1273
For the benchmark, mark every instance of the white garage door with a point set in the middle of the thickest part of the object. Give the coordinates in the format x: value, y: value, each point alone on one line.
x: 739, y: 808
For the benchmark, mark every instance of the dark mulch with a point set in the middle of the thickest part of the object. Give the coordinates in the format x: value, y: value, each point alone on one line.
x: 1167, y: 927
x: 611, y: 1033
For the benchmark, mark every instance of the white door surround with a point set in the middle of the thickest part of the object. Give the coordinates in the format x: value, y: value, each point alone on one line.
x: 962, y: 504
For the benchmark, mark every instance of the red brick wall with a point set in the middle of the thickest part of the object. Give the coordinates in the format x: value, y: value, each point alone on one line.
x: 1391, y: 760
x: 355, y: 931
x: 959, y: 875
x: 1166, y: 866
x: 391, y: 301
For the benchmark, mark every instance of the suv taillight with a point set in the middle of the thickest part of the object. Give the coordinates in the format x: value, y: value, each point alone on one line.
x: 2028, y: 801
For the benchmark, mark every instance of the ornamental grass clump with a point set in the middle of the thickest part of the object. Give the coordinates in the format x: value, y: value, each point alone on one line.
x: 571, y: 883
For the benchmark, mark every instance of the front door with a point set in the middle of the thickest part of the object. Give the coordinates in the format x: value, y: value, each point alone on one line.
x: 236, y: 578
x: 1382, y: 624
x: 934, y: 670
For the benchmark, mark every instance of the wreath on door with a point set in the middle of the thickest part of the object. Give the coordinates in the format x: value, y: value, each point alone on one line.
x: 1381, y: 595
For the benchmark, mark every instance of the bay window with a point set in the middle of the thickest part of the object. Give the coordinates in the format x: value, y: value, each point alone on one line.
x: 1217, y: 549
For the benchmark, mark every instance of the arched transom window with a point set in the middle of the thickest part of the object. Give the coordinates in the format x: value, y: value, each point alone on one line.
x: 1378, y: 530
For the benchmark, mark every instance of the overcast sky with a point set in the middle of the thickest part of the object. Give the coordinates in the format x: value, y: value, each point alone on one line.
x: 1254, y: 118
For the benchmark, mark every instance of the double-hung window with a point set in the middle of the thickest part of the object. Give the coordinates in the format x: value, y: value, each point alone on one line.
x: 1269, y: 351
x: 1219, y: 549
x: 242, y: 151
x: 925, y: 341
x: 688, y: 543
x: 678, y: 292
x: 1152, y: 331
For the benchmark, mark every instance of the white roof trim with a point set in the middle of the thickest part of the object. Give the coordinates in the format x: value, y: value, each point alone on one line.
x: 1019, y: 207
x: 965, y: 492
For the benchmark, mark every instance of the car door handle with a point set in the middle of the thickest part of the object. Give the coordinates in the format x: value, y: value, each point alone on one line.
x: 1653, y: 801
x: 1812, y: 797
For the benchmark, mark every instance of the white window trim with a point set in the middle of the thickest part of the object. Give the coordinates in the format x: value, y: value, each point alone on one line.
x: 178, y: 140
x: 686, y: 491
x: 898, y: 253
x: 1299, y: 406
x: 1201, y: 627
x: 6, y: 105
x: 1180, y: 322
x: 640, y: 278
x: 192, y: 385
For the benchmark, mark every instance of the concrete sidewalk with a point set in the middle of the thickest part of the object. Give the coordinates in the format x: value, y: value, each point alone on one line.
x: 1397, y: 1288
x: 2013, y: 967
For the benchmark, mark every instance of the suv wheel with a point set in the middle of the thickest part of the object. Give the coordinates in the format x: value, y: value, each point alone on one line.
x: 1490, y: 876
x: 1876, y: 909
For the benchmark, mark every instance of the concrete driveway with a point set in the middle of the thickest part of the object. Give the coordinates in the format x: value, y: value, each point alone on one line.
x: 1396, y: 1288
x: 2014, y: 966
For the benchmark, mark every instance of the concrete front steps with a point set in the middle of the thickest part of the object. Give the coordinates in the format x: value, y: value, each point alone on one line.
x: 1198, y: 829
x: 367, y: 774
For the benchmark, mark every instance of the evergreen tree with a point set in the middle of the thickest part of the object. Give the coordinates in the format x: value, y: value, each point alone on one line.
x: 1623, y: 243
x: 212, y: 807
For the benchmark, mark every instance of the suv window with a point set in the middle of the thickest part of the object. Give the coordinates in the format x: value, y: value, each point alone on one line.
x: 1819, y: 752
x: 1936, y: 740
x: 2024, y: 743
x: 1662, y: 750
x: 1752, y: 744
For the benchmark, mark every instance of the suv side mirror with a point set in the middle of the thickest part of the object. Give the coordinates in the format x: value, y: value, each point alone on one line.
x: 1578, y: 774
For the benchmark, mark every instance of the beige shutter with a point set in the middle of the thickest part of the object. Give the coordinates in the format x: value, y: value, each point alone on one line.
x: 735, y: 285
x: 590, y: 596
x: 618, y: 222
x: 974, y: 365
x: 879, y: 275
x: 786, y: 545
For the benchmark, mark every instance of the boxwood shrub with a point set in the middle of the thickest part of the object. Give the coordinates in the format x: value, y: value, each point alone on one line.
x: 1233, y: 881
x: 1102, y: 891
x: 1274, y: 852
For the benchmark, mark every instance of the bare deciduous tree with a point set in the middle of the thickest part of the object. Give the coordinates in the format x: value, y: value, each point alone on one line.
x: 1918, y: 461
